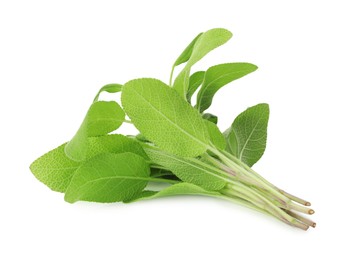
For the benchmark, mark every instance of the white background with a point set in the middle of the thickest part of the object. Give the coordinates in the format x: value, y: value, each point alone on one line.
x: 54, y: 56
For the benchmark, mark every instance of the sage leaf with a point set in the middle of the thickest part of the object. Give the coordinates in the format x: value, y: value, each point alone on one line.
x: 247, y: 136
x: 174, y: 190
x: 55, y: 169
x: 195, y: 82
x: 217, y: 77
x: 102, y: 118
x: 217, y: 138
x: 164, y: 118
x: 109, y: 178
x: 206, y: 42
x: 110, y: 88
x: 187, y: 169
x: 186, y: 54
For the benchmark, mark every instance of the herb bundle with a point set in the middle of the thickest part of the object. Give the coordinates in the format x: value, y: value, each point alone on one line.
x: 179, y: 143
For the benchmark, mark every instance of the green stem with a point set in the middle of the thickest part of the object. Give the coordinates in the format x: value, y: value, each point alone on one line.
x: 238, y: 166
x: 262, y: 199
x: 237, y: 198
x: 288, y: 195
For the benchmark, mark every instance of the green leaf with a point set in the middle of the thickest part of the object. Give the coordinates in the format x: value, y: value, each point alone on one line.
x: 207, y: 42
x: 109, y: 178
x: 210, y: 117
x: 164, y: 118
x: 217, y: 77
x: 174, y: 190
x: 247, y: 136
x: 110, y: 88
x: 217, y: 138
x: 55, y: 169
x: 102, y: 118
x: 185, y: 55
x: 195, y: 82
x: 187, y: 169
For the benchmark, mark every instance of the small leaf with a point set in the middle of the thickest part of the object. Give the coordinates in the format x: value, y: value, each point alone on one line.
x: 110, y: 88
x: 247, y: 136
x: 109, y: 178
x: 174, y: 190
x: 187, y: 169
x: 55, y: 169
x: 195, y: 82
x: 185, y: 55
x: 217, y: 138
x: 164, y: 118
x: 102, y: 118
x: 207, y: 42
x: 210, y: 117
x: 217, y: 77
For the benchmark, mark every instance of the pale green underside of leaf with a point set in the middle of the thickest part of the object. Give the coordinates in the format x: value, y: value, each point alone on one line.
x: 174, y: 190
x: 110, y: 88
x: 55, y: 169
x: 247, y: 136
x: 102, y: 118
x: 207, y: 42
x: 218, y: 76
x: 187, y: 169
x: 164, y: 118
x: 109, y: 178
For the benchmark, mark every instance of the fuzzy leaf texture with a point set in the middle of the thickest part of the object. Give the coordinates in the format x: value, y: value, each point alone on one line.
x: 207, y: 42
x: 109, y: 178
x: 217, y: 138
x: 187, y: 169
x: 55, y: 169
x: 218, y: 76
x: 247, y: 136
x: 102, y: 118
x: 164, y: 118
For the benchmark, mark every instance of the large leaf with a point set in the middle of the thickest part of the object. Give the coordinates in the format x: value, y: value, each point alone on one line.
x: 187, y: 169
x: 102, y: 118
x: 217, y: 77
x: 174, y: 190
x: 207, y: 42
x: 109, y: 178
x: 247, y: 136
x: 164, y: 118
x: 55, y: 169
x: 110, y: 88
